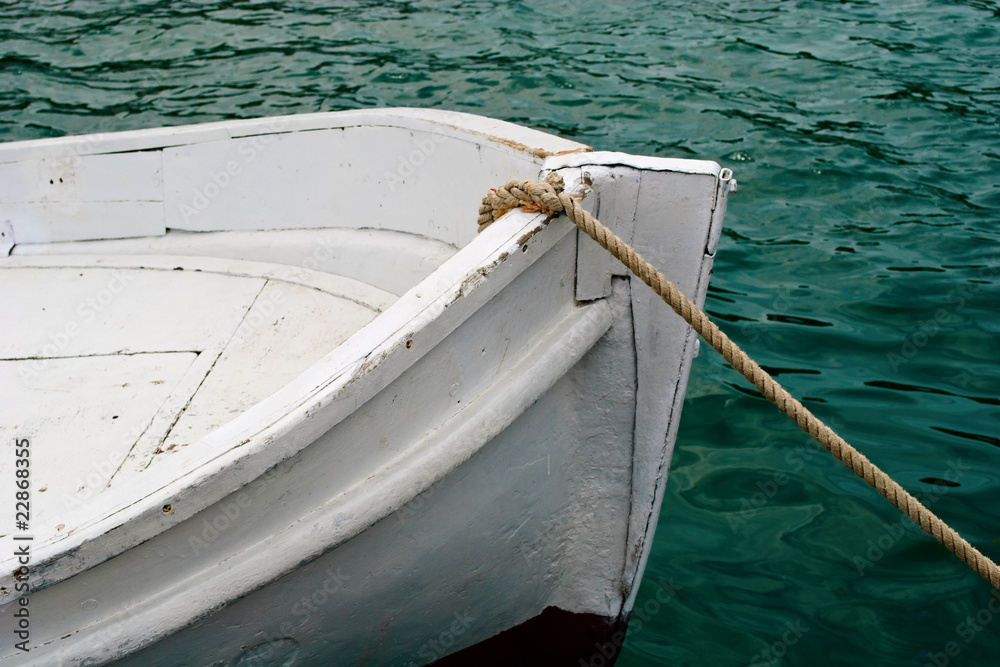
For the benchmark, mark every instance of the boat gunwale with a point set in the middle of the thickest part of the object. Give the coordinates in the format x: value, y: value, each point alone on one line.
x: 454, y: 124
x: 348, y: 512
x: 457, y: 276
x: 292, y: 418
x: 244, y: 445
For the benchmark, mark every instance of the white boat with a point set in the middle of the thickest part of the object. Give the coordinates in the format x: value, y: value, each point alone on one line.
x: 280, y: 404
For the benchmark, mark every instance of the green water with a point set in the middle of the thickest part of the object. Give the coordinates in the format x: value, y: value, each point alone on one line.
x: 859, y: 264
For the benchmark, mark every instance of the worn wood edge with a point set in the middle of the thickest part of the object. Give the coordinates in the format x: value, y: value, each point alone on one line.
x: 458, y: 124
x: 683, y: 371
x: 431, y: 457
x: 335, y: 285
x: 640, y: 162
x: 287, y: 247
x: 294, y: 416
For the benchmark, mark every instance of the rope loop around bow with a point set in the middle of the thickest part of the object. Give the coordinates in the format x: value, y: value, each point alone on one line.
x: 545, y: 196
x: 548, y: 196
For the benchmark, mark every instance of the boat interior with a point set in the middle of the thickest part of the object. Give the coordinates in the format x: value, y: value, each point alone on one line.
x: 170, y: 280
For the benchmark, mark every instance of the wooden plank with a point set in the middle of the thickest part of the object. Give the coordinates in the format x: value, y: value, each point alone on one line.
x: 368, y: 168
x: 379, y: 177
x: 672, y: 230
x: 618, y: 194
x: 97, y: 310
x: 447, y: 123
x: 82, y: 415
x: 103, y: 143
x: 288, y: 329
x: 67, y: 197
x: 640, y: 162
x: 667, y: 207
x: 6, y: 237
x: 254, y: 326
x: 68, y: 178
x: 388, y: 260
x: 436, y: 121
x: 55, y: 222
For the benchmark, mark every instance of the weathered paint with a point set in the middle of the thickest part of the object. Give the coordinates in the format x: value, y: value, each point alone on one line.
x: 486, y: 447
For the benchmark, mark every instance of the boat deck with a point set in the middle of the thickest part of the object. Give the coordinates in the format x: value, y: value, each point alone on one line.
x: 139, y: 357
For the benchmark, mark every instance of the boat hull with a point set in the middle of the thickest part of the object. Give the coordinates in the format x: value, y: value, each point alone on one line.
x: 476, y: 471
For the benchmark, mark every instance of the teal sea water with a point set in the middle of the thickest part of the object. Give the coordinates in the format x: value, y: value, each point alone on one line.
x: 860, y: 262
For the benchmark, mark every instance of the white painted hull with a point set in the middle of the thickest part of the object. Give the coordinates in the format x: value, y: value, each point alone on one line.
x: 492, y: 444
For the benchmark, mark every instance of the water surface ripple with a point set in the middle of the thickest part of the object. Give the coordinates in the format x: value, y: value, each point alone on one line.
x: 860, y: 258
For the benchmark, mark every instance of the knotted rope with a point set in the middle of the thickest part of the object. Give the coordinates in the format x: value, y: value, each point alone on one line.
x: 548, y: 197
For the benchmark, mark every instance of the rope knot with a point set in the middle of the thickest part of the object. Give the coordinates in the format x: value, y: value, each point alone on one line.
x: 548, y: 197
x: 533, y: 196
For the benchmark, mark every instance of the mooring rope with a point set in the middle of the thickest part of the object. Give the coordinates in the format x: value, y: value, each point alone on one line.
x: 548, y: 197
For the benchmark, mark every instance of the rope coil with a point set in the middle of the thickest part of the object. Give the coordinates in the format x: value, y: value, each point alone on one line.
x: 548, y: 197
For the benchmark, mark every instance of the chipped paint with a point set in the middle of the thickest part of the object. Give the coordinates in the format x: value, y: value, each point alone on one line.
x: 523, y: 240
x: 522, y: 322
x: 540, y: 153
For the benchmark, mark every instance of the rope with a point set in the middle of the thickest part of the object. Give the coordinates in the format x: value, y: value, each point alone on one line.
x: 548, y: 197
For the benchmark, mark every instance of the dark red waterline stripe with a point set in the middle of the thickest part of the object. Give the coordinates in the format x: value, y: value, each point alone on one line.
x: 554, y: 638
